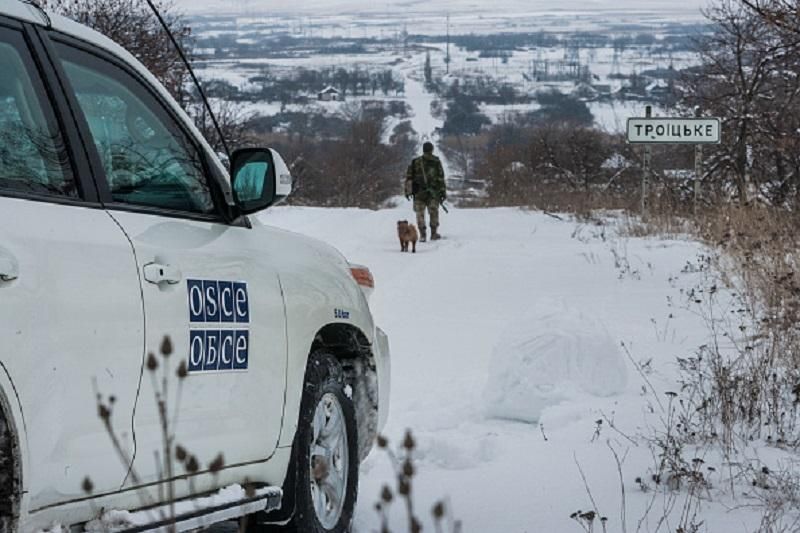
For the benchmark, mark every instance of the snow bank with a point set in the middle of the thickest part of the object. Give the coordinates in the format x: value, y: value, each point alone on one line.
x: 552, y: 354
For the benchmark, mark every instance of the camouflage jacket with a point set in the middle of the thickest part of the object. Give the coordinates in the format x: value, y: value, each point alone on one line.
x: 427, y: 175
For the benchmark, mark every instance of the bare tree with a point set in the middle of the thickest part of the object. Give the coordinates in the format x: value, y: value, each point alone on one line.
x: 356, y: 169
x: 749, y: 78
x: 232, y: 119
x: 463, y: 152
x: 783, y: 15
x: 133, y: 25
x: 737, y: 64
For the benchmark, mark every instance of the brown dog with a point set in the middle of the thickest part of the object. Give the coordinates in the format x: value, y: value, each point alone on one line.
x: 407, y: 234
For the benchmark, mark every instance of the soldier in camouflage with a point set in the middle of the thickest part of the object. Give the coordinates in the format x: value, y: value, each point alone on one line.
x: 425, y: 182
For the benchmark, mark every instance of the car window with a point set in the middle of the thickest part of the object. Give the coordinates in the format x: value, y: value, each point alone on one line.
x: 33, y: 155
x: 147, y: 158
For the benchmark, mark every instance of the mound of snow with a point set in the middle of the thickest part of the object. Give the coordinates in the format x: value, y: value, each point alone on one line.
x: 552, y: 354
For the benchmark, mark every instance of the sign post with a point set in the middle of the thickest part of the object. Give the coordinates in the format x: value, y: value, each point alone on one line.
x: 648, y: 155
x: 651, y: 130
x: 698, y: 175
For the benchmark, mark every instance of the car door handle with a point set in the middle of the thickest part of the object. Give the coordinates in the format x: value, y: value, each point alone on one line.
x: 159, y: 274
x: 8, y: 269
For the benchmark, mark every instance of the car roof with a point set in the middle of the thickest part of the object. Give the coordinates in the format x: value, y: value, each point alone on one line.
x: 28, y: 13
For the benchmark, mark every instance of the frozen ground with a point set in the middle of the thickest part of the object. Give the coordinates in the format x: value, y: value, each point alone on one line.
x: 519, y: 316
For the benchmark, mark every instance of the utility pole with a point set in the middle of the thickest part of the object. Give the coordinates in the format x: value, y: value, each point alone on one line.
x: 447, y: 57
x: 648, y: 154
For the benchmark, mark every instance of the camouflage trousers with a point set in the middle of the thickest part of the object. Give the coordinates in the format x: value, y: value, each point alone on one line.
x: 433, y: 209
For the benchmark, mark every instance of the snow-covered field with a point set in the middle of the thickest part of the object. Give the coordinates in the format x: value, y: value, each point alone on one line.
x: 506, y: 351
x: 379, y: 25
x: 328, y: 7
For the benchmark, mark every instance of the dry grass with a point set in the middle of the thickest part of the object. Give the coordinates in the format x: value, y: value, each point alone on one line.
x: 740, y: 392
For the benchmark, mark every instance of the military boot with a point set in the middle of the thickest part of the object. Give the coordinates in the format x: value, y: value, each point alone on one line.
x: 435, y: 234
x: 423, y: 235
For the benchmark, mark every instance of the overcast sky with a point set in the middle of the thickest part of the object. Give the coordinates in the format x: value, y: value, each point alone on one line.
x: 306, y: 7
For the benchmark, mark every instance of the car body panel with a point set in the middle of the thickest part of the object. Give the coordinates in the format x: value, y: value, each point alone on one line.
x: 217, y: 407
x: 74, y: 321
x: 272, y: 472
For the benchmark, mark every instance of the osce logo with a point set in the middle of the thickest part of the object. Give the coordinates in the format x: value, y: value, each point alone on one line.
x: 219, y: 313
x: 215, y: 302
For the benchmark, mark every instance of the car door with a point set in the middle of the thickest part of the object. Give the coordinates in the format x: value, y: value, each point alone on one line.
x: 71, y: 317
x: 208, y: 285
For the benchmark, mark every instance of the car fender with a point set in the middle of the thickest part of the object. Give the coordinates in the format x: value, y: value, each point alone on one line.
x: 304, y: 323
x: 319, y: 290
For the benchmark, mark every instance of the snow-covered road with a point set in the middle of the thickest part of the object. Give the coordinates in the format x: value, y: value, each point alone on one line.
x: 449, y: 306
x: 420, y: 101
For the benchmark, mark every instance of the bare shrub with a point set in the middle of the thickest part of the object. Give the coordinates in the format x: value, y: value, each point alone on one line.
x: 355, y: 170
x: 748, y: 380
x: 558, y: 167
x: 174, y: 460
x: 742, y: 389
x: 405, y: 472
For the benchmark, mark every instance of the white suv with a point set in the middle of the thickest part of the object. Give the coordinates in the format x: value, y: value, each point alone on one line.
x: 119, y: 227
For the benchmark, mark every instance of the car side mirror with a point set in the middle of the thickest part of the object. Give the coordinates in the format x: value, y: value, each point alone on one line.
x: 259, y: 179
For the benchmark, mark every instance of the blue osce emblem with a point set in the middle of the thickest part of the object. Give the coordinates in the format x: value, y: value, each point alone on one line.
x: 219, y: 312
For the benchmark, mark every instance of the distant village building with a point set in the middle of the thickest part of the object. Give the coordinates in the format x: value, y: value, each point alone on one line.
x: 659, y: 90
x: 603, y: 89
x: 329, y: 94
x: 617, y: 161
x: 584, y: 91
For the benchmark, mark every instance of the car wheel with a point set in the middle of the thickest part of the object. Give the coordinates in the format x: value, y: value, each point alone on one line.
x: 323, y: 477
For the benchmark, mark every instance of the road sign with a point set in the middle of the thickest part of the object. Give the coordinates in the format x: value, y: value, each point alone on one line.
x: 663, y: 130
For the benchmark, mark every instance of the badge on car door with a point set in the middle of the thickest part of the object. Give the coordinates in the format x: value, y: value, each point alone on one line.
x: 219, y: 333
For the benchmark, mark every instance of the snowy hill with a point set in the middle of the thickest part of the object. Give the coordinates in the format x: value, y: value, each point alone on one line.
x: 506, y: 343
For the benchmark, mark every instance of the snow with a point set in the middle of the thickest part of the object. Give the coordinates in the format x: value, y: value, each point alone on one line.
x: 117, y: 520
x: 451, y: 308
x: 420, y: 101
x: 613, y: 116
x: 55, y: 528
x: 552, y: 355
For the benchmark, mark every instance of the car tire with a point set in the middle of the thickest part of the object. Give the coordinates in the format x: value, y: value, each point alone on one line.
x: 9, y: 477
x: 322, y: 481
